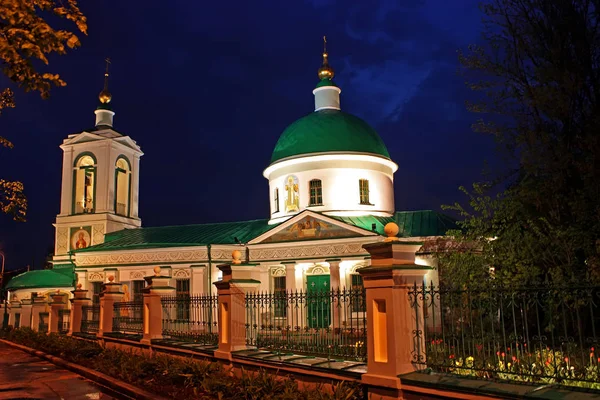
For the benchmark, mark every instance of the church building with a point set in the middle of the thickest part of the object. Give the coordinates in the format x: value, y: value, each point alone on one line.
x: 331, y: 190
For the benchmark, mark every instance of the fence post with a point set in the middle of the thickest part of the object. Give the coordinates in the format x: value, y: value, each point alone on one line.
x: 26, y: 313
x: 158, y: 286
x: 394, y: 336
x: 15, y: 308
x: 111, y: 294
x: 58, y: 303
x: 238, y: 279
x: 77, y: 302
x: 40, y: 304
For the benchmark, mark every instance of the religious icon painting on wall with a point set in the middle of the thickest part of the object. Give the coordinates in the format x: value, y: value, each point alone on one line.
x: 310, y: 228
x: 292, y: 200
x: 81, y: 237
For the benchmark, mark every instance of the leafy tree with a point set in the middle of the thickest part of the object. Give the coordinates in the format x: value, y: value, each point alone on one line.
x: 540, y: 76
x: 26, y: 39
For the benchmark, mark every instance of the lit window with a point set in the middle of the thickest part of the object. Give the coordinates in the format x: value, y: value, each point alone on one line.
x: 316, y: 192
x: 276, y: 201
x: 363, y: 185
x: 356, y: 298
x: 122, y: 186
x: 280, y: 296
x: 84, y: 185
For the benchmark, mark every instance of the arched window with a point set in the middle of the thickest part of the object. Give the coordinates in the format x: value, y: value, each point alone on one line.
x: 84, y: 184
x: 363, y: 187
x: 276, y: 200
x: 316, y: 192
x: 122, y: 186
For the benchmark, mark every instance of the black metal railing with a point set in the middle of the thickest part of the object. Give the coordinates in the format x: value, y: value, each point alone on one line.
x: 128, y: 317
x: 543, y: 333
x: 64, y: 318
x: 191, y: 318
x: 43, y: 322
x: 328, y: 323
x: 90, y: 318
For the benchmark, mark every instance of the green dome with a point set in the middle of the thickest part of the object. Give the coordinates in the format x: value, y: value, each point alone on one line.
x: 326, y: 131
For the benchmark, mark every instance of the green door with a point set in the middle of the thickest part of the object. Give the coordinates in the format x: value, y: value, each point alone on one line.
x: 318, y: 299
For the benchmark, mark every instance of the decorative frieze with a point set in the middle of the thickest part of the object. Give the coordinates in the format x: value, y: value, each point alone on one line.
x: 136, y: 275
x: 98, y: 233
x: 62, y: 240
x: 96, y: 276
x: 194, y: 256
x: 181, y: 274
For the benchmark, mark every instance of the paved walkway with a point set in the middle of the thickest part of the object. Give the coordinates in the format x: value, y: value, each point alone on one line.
x: 23, y: 376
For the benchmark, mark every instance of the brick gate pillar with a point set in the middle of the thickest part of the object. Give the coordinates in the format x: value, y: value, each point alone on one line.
x: 59, y: 302
x: 110, y: 295
x: 157, y: 287
x: 238, y: 279
x: 393, y: 337
x: 79, y: 300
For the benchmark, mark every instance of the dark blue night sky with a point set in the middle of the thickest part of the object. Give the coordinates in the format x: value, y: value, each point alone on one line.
x: 206, y: 88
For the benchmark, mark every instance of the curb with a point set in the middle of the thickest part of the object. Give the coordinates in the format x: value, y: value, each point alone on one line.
x: 109, y: 382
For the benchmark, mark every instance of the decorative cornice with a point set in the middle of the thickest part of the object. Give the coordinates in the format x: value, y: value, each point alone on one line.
x: 275, y: 253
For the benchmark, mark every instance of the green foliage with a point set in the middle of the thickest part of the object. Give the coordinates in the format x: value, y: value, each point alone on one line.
x: 26, y: 38
x: 540, y: 86
x: 174, y: 377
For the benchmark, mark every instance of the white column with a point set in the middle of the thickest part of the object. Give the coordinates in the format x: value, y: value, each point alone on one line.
x: 334, y: 273
x: 290, y: 275
x: 197, y: 279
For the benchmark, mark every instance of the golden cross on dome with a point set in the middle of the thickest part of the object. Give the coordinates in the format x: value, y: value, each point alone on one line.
x: 106, y: 73
x: 105, y: 96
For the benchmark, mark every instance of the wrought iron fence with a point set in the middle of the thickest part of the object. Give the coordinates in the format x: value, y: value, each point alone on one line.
x: 191, y: 318
x: 43, y: 322
x: 328, y: 323
x: 64, y: 318
x: 128, y: 317
x: 90, y: 318
x: 544, y: 333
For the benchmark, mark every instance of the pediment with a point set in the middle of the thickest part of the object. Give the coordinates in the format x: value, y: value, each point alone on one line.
x: 83, y: 137
x: 86, y: 137
x: 309, y: 225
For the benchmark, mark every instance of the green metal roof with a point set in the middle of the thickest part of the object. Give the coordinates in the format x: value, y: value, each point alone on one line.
x: 325, y: 82
x: 411, y: 223
x: 40, y: 279
x: 183, y: 235
x: 424, y: 223
x: 328, y: 131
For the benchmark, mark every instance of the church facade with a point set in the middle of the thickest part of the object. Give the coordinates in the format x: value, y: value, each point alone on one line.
x: 331, y: 190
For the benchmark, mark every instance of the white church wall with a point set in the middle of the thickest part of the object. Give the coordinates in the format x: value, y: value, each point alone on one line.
x: 341, y: 194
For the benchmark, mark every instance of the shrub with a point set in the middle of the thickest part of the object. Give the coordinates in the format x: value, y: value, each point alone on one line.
x: 177, y: 377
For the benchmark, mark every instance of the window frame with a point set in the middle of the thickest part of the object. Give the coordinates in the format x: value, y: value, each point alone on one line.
x: 94, y: 169
x: 280, y: 297
x: 315, y: 198
x: 128, y: 183
x: 363, y: 192
x: 276, y: 201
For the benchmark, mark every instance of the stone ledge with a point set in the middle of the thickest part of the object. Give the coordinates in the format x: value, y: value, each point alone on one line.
x: 481, y: 388
x: 99, y: 378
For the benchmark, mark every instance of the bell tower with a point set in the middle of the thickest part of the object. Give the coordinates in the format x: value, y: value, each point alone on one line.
x: 100, y: 183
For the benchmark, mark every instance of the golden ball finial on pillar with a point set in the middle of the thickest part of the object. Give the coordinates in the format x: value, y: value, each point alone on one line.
x: 391, y: 230
x: 325, y: 72
x: 156, y: 271
x: 236, y: 256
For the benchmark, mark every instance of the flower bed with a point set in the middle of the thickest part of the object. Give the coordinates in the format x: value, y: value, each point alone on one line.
x: 541, y: 365
x: 172, y: 376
